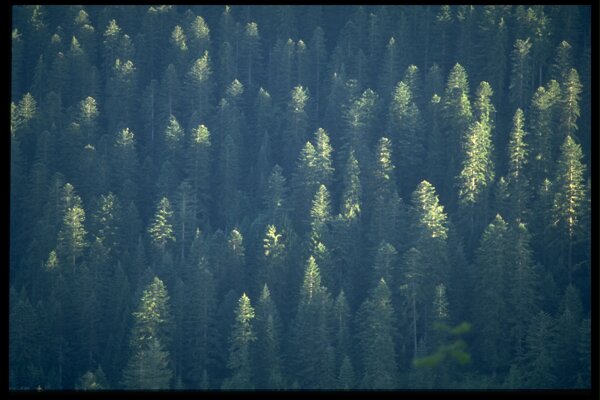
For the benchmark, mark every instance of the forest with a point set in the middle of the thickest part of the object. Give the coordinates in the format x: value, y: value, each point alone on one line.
x: 300, y: 197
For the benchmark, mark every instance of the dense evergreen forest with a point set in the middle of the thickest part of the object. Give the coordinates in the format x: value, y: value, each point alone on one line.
x: 300, y: 197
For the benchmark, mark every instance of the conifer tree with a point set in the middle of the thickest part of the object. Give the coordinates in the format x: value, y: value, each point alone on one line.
x: 405, y: 128
x: 72, y: 235
x: 199, y: 324
x: 149, y: 365
x: 311, y: 336
x: 161, y: 229
x: 518, y: 156
x: 268, y: 368
x: 523, y: 288
x: 149, y: 368
x: 569, y: 192
x: 570, y: 109
x: 242, y: 336
x: 376, y: 338
x: 540, y: 361
x: 492, y: 268
x: 520, y: 86
x: 198, y: 169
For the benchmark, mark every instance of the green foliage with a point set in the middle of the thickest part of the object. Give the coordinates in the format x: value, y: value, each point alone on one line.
x: 152, y: 320
x: 376, y: 337
x: 239, y: 351
x: 269, y: 151
x: 456, y: 350
x: 149, y: 368
x: 161, y: 230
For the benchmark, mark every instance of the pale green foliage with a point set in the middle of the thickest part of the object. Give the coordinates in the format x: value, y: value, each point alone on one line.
x: 384, y: 166
x: 52, y: 262
x: 153, y: 317
x: 312, y: 281
x: 88, y: 109
x: 178, y: 38
x: 477, y: 166
x: 161, y: 229
x: 570, y: 109
x: 273, y: 245
x: 323, y: 149
x: 239, y: 351
x: 200, y: 71
x: 432, y: 219
x: 201, y: 136
x: 174, y: 133
x: 236, y: 243
x: 71, y: 237
x: 320, y: 213
x: 518, y: 158
x: 569, y: 188
x: 299, y: 98
x: 125, y: 138
x: 93, y: 380
x: 200, y: 30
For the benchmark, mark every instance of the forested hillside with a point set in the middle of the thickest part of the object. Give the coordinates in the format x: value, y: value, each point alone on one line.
x: 300, y: 197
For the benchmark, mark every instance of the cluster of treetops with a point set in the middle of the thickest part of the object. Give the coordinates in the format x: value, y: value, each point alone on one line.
x: 300, y: 197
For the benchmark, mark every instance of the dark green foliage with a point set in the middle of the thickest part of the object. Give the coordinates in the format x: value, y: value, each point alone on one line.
x: 218, y: 148
x: 377, y: 320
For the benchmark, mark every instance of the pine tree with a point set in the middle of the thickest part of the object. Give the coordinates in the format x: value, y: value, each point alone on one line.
x: 540, y: 362
x: 161, y: 229
x: 543, y: 109
x: 24, y: 343
x: 569, y: 107
x: 457, y: 117
x: 107, y: 223
x: 351, y: 197
x: 153, y: 316
x: 199, y: 87
x: 311, y: 336
x: 323, y: 163
x: 268, y: 370
x: 198, y: 169
x: 185, y: 223
x: 405, y: 128
x: 518, y: 181
x: 523, y: 288
x: 149, y: 368
x: 520, y: 86
x: 377, y: 321
x: 240, y: 363
x: 275, y: 198
x: 477, y: 172
x: 568, y: 322
x: 569, y: 196
x: 384, y: 265
x: 296, y: 125
x: 390, y: 70
x: 492, y: 265
x: 72, y: 235
x: 199, y: 325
